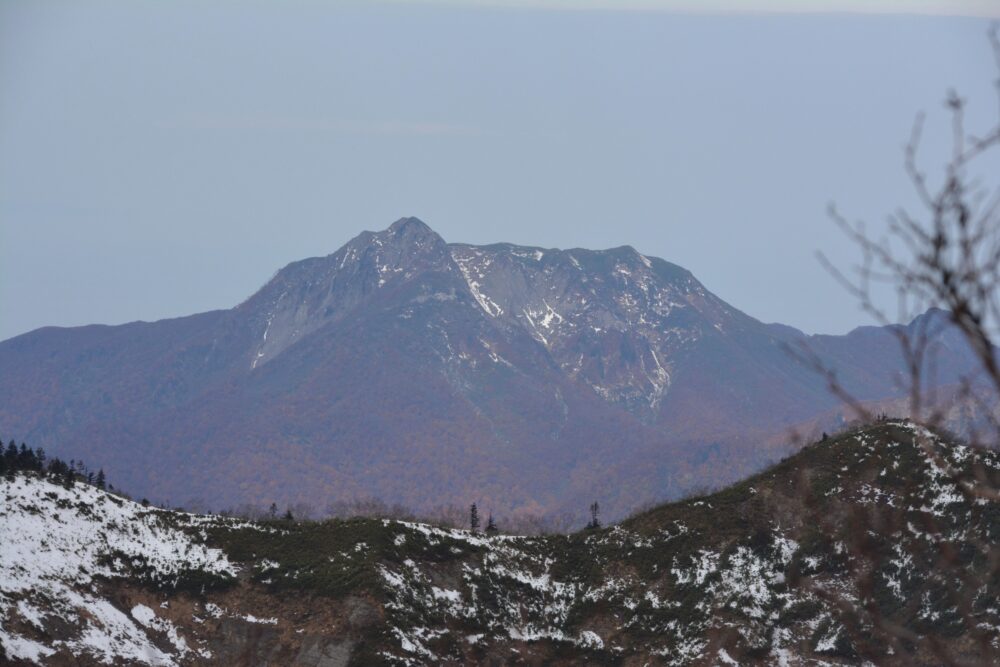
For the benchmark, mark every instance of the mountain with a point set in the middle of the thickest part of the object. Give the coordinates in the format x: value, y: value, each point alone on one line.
x: 772, y: 570
x: 430, y: 374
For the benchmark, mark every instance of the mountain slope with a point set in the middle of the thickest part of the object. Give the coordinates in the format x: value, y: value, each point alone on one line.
x: 427, y: 373
x: 747, y: 574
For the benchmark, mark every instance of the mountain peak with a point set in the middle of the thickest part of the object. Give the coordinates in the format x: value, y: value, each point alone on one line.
x: 410, y: 226
x: 411, y: 237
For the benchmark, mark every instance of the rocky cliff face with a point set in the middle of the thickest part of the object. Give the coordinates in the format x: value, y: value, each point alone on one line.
x: 426, y: 373
x: 773, y: 570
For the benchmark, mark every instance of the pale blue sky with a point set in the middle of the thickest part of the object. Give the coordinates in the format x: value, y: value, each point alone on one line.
x: 979, y: 8
x: 159, y: 159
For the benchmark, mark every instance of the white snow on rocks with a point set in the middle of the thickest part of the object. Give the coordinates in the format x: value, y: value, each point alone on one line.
x: 56, y: 541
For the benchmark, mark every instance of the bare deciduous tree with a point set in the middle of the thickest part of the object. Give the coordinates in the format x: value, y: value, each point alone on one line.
x: 943, y: 256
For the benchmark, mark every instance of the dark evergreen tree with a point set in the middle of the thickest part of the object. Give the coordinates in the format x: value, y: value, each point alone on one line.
x: 274, y: 510
x: 474, y: 518
x: 99, y: 482
x: 288, y: 515
x: 56, y: 469
x: 491, y: 527
x: 25, y: 458
x: 594, y: 520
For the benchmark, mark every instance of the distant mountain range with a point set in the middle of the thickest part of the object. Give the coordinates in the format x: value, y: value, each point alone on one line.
x: 424, y: 373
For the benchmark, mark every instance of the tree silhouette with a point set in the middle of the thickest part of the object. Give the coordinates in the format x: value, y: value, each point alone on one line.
x: 943, y: 255
x: 595, y: 522
x: 25, y: 458
x: 474, y: 518
x: 10, y: 454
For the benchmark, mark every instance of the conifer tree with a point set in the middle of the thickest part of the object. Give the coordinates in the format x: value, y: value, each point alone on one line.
x: 474, y: 518
x: 491, y: 527
x: 99, y: 482
x: 25, y: 458
x: 594, y: 521
x: 9, y: 458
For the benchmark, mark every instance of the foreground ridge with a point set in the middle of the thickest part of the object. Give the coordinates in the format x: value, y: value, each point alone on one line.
x: 760, y: 572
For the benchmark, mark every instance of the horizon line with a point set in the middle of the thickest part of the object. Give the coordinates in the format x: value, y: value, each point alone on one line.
x: 973, y: 9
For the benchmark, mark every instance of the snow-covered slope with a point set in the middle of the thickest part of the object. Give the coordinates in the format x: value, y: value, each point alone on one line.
x: 58, y: 543
x: 860, y: 549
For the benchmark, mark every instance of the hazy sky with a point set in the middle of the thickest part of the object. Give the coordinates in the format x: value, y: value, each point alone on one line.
x: 159, y: 159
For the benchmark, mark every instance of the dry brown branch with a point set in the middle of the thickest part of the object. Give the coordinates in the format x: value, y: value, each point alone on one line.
x: 946, y: 256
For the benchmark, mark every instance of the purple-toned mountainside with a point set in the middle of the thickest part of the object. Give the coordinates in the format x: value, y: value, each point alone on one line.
x: 425, y: 373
